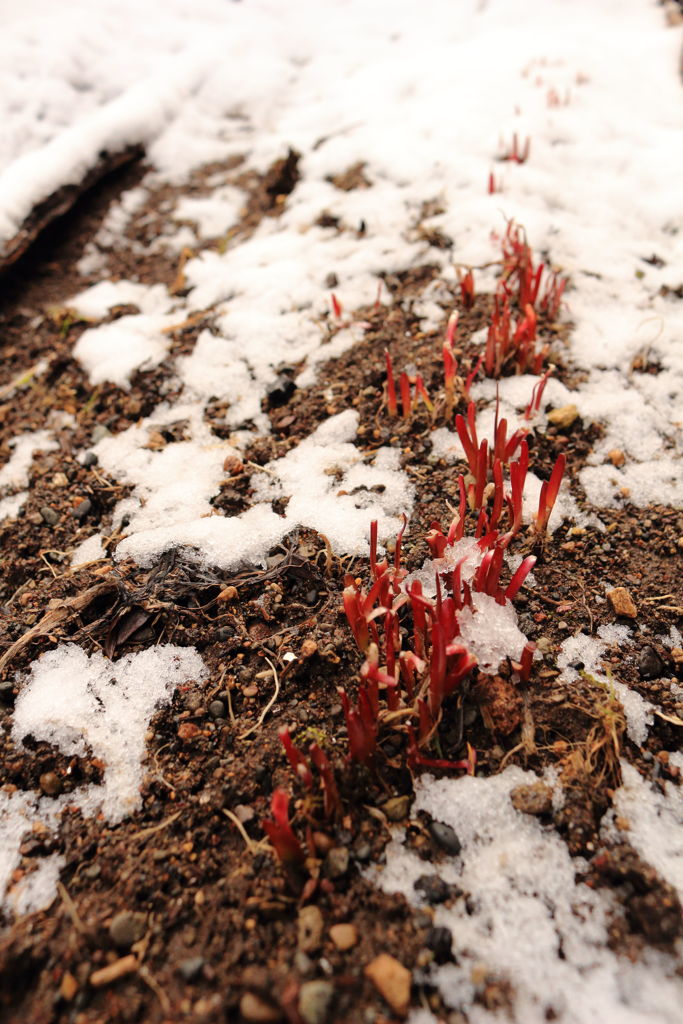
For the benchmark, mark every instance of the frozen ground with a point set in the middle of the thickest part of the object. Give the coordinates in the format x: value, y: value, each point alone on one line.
x: 428, y: 96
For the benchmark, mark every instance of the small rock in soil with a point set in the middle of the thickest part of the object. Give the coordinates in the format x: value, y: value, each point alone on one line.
x: 99, y: 433
x: 310, y: 926
x: 217, y: 709
x: 126, y: 928
x: 49, y: 515
x: 315, y: 1001
x: 83, y: 509
x: 89, y: 459
x: 397, y: 808
x: 622, y: 603
x: 50, y: 784
x: 440, y: 941
x: 191, y: 968
x: 650, y: 665
x: 336, y: 862
x: 344, y: 936
x: 302, y: 963
x: 536, y: 798
x: 392, y: 981
x: 563, y: 417
x: 362, y: 852
x: 68, y: 987
x: 445, y: 837
x: 433, y: 888
x: 281, y: 391
x: 257, y: 1011
x: 7, y: 692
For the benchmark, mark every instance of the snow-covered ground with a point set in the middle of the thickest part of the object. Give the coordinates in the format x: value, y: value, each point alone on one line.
x: 427, y: 96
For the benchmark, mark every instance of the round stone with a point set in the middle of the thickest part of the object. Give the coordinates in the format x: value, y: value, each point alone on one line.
x: 445, y: 837
x: 315, y: 1001
x: 126, y: 928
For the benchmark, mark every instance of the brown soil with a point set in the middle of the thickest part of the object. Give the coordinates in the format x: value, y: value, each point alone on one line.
x: 216, y: 926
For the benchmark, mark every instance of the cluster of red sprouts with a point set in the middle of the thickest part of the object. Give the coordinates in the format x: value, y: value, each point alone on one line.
x: 415, y: 659
x: 512, y: 341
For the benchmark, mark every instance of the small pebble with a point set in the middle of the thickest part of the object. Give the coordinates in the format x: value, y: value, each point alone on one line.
x: 68, y: 987
x: 50, y: 784
x: 217, y: 709
x: 310, y: 927
x: 281, y: 391
x: 362, y: 852
x: 7, y: 692
x: 445, y: 837
x: 336, y: 862
x: 315, y: 1001
x: 89, y: 460
x: 440, y: 941
x: 397, y: 808
x: 99, y: 433
x: 126, y: 928
x: 536, y: 798
x: 622, y: 603
x: 83, y: 508
x: 433, y: 888
x: 392, y: 980
x: 650, y: 665
x: 191, y: 968
x: 303, y: 963
x: 257, y: 1011
x: 344, y: 936
x: 563, y: 417
x: 49, y: 515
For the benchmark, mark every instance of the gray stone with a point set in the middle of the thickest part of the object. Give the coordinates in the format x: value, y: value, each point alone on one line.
x: 315, y: 1001
x: 126, y: 928
x: 83, y: 509
x: 445, y: 837
x: 650, y: 665
x: 99, y: 433
x: 49, y: 515
x: 192, y: 967
x: 433, y: 888
x: 337, y: 862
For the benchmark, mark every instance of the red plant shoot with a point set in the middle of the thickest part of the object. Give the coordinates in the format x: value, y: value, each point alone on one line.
x: 287, y: 847
x: 392, y: 403
x: 518, y: 154
x: 548, y: 495
x: 466, y: 288
x: 297, y: 761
